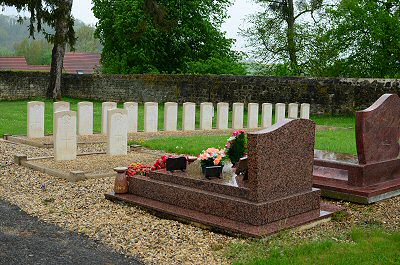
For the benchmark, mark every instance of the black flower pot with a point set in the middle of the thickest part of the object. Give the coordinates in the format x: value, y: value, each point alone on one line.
x: 213, y: 172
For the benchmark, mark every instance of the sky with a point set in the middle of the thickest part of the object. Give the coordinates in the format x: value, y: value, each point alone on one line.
x: 81, y: 9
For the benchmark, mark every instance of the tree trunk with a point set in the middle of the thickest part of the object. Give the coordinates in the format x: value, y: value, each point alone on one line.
x: 291, y: 44
x: 57, y: 56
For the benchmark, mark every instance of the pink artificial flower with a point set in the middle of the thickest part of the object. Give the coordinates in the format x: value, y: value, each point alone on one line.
x: 217, y: 160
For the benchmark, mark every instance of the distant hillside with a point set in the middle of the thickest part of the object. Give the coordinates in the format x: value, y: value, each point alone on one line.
x: 15, y: 41
x: 13, y: 32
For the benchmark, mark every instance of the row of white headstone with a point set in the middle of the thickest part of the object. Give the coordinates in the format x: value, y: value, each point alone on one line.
x: 115, y: 122
x: 85, y: 116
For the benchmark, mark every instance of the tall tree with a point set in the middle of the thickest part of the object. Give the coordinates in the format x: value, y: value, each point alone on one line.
x: 360, y: 39
x: 164, y: 36
x: 36, y: 52
x: 280, y: 33
x: 86, y: 41
x: 56, y: 14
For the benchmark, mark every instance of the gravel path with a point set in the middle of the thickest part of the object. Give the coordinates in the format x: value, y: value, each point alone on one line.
x: 99, y: 163
x: 81, y: 207
x: 27, y: 240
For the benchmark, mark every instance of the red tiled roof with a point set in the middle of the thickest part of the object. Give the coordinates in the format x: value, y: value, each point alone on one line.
x: 73, y: 62
x: 43, y: 68
x: 80, y: 61
x: 13, y: 63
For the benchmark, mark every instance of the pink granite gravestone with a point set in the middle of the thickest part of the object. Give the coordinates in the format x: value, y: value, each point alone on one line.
x: 278, y: 193
x: 280, y: 160
x: 378, y: 130
x: 376, y: 174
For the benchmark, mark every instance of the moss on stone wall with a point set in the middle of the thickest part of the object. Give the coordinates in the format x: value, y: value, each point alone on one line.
x: 326, y: 95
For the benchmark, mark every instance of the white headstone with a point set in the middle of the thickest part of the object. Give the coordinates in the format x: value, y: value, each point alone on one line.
x: 305, y: 111
x: 117, y: 137
x: 170, y: 116
x: 252, y: 115
x: 206, y: 115
x: 85, y: 118
x: 105, y: 106
x: 293, y: 111
x: 266, y: 116
x: 189, y: 116
x: 280, y: 110
x: 35, y: 119
x: 222, y: 115
x: 60, y: 106
x: 132, y: 109
x: 151, y: 117
x: 64, y: 135
x: 237, y: 115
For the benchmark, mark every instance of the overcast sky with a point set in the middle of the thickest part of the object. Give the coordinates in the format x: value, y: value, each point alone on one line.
x: 82, y: 10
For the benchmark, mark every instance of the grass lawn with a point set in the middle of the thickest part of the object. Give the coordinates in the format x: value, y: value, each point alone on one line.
x: 368, y: 246
x: 340, y: 141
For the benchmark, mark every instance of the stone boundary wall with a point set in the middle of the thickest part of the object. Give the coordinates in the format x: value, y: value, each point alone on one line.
x: 326, y: 95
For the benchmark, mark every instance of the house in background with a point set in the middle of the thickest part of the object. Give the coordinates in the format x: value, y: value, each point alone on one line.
x: 81, y: 62
x: 74, y: 63
x: 17, y: 63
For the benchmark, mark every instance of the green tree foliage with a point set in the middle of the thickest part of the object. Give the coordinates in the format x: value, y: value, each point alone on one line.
x: 164, y: 36
x: 36, y: 52
x: 282, y: 32
x: 14, y: 41
x: 85, y: 40
x: 361, y: 38
x: 56, y: 14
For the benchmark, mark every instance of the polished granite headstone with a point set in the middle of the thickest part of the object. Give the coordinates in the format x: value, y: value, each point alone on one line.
x: 277, y: 195
x: 375, y: 175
